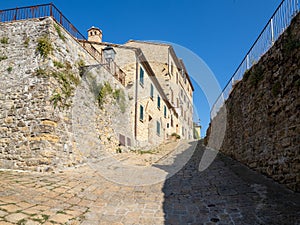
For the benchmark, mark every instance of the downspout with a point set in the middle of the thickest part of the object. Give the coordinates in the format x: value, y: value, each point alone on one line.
x: 136, y: 96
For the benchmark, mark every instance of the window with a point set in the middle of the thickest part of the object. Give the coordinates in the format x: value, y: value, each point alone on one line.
x: 141, y: 113
x: 168, y: 125
x: 158, y: 128
x: 172, y: 121
x: 151, y: 91
x: 177, y: 102
x: 172, y: 68
x: 176, y: 77
x: 158, y: 102
x: 182, y: 131
x: 165, y: 111
x: 141, y: 76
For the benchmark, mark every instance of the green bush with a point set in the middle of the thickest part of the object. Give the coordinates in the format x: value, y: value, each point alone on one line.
x: 3, y: 57
x: 4, y: 40
x: 55, y: 99
x: 9, y: 69
x: 26, y: 42
x: 67, y: 81
x: 58, y: 64
x: 41, y: 72
x: 58, y: 30
x: 44, y: 46
x: 175, y: 135
x: 105, y: 90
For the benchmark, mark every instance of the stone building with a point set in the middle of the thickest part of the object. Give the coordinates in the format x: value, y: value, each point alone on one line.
x: 163, y: 91
x: 50, y: 116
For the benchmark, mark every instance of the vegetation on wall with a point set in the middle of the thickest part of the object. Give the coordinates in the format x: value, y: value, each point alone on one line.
x: 44, y: 47
x: 9, y: 69
x: 26, y: 42
x: 67, y: 82
x: 58, y: 30
x: 175, y: 135
x: 102, y: 91
x: 4, y: 40
x: 3, y: 57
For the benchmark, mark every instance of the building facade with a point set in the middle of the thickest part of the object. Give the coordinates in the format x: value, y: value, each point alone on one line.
x: 160, y: 86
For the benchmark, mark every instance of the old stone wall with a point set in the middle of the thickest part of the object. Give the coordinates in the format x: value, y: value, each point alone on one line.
x: 39, y: 96
x: 263, y: 113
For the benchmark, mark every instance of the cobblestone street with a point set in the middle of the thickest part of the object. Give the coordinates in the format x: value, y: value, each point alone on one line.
x: 225, y: 193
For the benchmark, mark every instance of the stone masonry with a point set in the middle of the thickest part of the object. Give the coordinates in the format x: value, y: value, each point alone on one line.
x: 263, y: 116
x: 38, y: 95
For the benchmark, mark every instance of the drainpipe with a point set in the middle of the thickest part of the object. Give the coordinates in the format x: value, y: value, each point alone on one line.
x: 136, y: 97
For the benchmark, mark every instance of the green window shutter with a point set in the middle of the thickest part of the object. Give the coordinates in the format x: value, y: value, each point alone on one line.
x: 165, y: 111
x: 141, y: 113
x: 158, y: 102
x: 141, y: 76
x: 151, y: 91
x: 158, y: 128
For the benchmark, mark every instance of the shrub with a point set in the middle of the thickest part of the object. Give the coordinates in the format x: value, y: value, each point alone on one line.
x: 26, y: 42
x: 105, y: 90
x: 44, y: 46
x: 55, y: 99
x: 175, y: 135
x: 3, y: 57
x: 4, y: 40
x: 41, y: 72
x: 58, y: 64
x: 58, y: 30
x: 9, y: 69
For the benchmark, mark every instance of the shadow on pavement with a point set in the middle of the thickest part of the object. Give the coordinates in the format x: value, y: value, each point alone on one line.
x: 225, y: 193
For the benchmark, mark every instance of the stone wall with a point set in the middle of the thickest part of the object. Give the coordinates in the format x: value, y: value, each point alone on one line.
x: 39, y: 96
x: 263, y: 113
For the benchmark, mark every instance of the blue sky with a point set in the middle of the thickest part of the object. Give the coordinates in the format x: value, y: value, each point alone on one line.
x: 219, y: 32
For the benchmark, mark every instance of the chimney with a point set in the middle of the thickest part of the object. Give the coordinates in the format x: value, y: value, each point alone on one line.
x: 95, y: 34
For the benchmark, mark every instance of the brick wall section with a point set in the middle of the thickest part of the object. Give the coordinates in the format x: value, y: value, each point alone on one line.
x: 263, y: 116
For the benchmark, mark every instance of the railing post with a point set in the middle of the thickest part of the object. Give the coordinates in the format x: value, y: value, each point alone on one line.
x: 51, y: 10
x: 15, y: 17
x: 247, y: 62
x: 272, y: 31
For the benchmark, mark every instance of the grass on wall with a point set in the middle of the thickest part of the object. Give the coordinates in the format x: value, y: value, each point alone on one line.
x: 44, y: 47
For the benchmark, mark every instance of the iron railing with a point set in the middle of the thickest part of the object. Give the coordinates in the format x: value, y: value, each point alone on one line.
x: 40, y: 11
x: 279, y: 21
x: 50, y: 10
x: 112, y: 67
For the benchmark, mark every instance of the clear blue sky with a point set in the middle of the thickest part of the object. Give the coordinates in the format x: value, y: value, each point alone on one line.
x: 219, y: 32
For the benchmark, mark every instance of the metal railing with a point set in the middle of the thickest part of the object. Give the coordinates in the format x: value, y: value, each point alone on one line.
x: 279, y: 21
x: 113, y: 68
x: 40, y: 11
x: 50, y: 10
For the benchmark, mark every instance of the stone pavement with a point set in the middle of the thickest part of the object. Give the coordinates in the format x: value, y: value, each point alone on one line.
x: 225, y: 193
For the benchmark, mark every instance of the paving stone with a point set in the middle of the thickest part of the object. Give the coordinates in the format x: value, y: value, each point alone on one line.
x: 15, y: 217
x: 60, y: 218
x: 3, y: 213
x: 188, y: 197
x: 10, y: 208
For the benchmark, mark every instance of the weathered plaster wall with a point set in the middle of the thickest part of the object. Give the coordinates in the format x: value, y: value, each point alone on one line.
x: 263, y: 113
